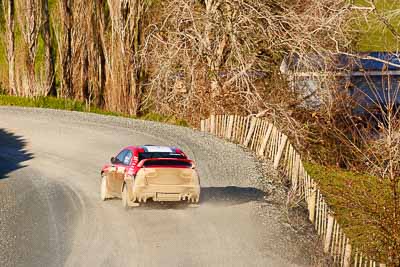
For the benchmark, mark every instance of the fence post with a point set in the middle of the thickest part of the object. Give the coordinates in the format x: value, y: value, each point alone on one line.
x: 280, y: 151
x: 251, y: 130
x: 212, y: 124
x: 265, y: 140
x: 295, y: 171
x: 328, y: 236
x: 202, y: 125
x: 347, y: 254
x: 217, y: 125
x: 230, y: 127
x: 225, y: 125
x: 243, y: 127
x: 271, y: 146
x: 234, y: 128
x: 311, y: 204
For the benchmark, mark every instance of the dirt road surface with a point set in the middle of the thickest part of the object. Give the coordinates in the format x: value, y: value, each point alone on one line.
x: 52, y: 215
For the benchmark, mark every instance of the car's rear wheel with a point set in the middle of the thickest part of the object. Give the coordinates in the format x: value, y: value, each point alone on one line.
x: 124, y: 196
x: 103, y: 188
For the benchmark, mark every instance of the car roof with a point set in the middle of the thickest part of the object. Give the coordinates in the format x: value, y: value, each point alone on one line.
x: 154, y: 148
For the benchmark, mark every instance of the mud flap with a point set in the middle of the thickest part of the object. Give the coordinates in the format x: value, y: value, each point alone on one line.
x: 115, y: 179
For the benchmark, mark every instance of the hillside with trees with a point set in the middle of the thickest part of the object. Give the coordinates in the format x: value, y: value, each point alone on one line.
x: 171, y: 57
x: 182, y: 57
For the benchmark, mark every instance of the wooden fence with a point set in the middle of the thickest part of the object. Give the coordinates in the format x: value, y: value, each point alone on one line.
x: 267, y: 141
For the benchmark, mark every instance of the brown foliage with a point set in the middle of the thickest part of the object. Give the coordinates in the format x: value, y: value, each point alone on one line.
x: 175, y: 57
x: 223, y: 56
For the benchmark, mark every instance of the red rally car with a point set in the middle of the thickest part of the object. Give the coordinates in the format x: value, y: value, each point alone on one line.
x: 160, y: 173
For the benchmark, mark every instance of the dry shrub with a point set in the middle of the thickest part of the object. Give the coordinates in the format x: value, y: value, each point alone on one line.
x: 224, y: 56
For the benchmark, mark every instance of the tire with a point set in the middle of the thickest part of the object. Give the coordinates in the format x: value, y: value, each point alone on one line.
x: 124, y: 197
x: 103, y: 188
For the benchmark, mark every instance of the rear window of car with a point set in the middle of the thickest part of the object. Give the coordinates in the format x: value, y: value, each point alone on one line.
x: 167, y: 163
x: 163, y: 155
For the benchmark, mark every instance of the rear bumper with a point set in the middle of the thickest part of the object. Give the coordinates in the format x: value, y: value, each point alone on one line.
x: 188, y: 193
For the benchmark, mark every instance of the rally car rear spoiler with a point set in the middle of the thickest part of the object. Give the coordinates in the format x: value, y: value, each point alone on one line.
x: 165, y: 163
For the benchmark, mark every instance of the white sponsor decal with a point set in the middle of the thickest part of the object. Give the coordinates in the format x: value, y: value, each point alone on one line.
x: 158, y: 149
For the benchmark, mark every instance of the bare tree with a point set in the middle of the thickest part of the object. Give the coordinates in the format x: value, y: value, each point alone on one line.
x: 224, y: 52
x: 50, y: 86
x: 66, y: 11
x: 30, y: 17
x: 124, y: 54
x: 97, y: 56
x: 8, y: 7
x: 87, y: 57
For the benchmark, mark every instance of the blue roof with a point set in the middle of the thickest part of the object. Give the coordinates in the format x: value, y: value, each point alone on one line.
x: 371, y: 61
x: 365, y: 61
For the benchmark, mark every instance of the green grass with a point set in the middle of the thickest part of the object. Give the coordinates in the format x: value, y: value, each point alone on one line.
x: 74, y: 105
x: 362, y: 205
x: 372, y: 34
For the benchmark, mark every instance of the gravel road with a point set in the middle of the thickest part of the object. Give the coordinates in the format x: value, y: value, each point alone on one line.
x: 52, y: 215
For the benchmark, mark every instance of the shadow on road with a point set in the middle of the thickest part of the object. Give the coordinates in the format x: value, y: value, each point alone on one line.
x: 12, y: 152
x: 223, y: 196
x: 231, y: 195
